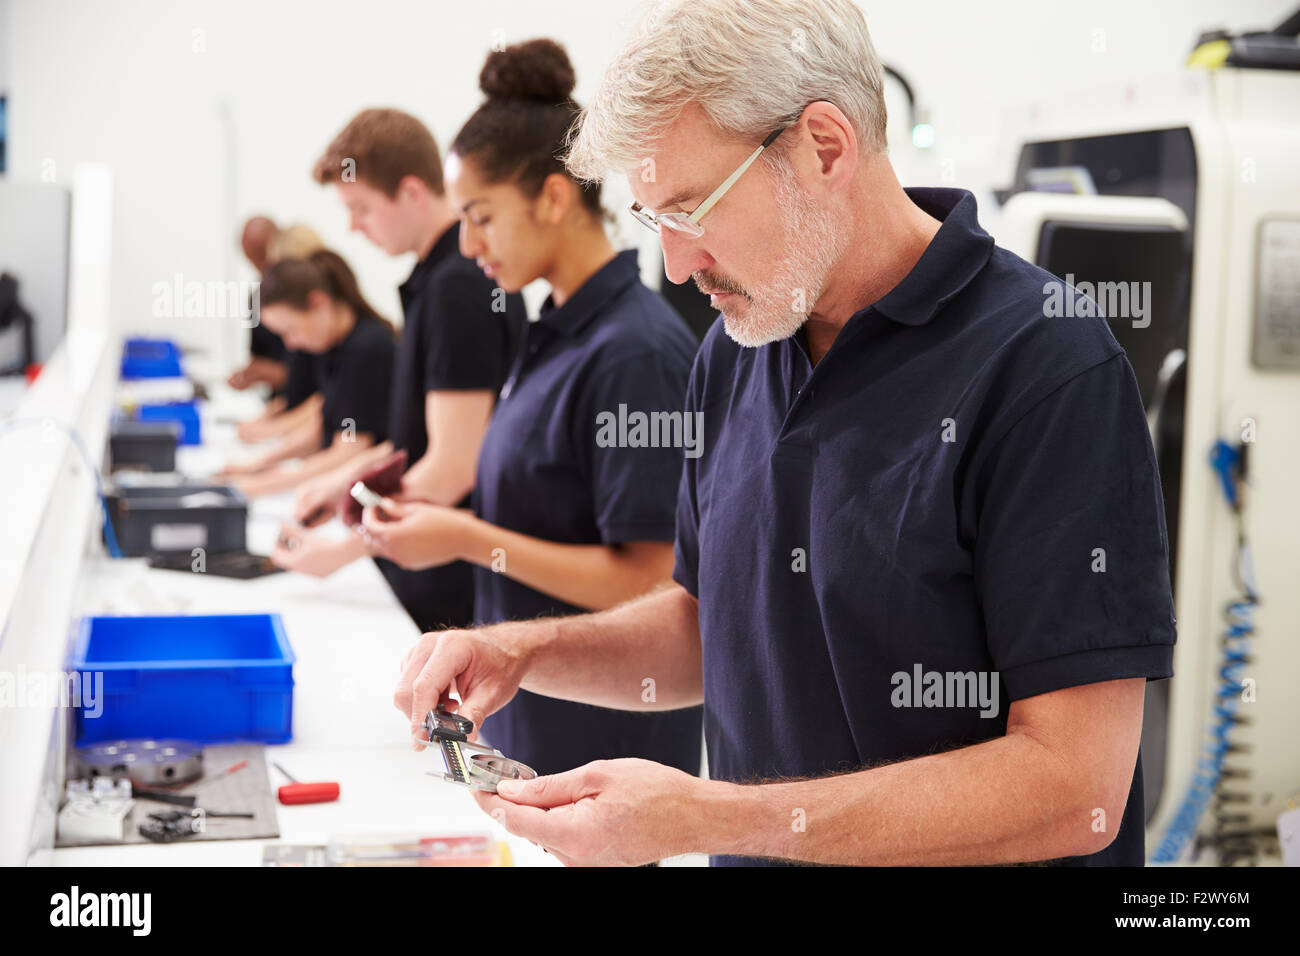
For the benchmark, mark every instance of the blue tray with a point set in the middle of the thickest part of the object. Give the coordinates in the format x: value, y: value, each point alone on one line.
x: 150, y: 358
x: 209, y: 679
x: 186, y: 414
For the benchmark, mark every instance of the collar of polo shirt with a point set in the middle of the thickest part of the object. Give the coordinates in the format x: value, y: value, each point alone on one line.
x: 956, y: 254
x: 592, y: 297
x: 444, y: 246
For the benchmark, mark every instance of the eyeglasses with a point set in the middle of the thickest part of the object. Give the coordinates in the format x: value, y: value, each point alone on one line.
x: 688, y: 224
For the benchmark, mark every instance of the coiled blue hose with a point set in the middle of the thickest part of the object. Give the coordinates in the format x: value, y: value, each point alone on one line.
x: 1236, y: 655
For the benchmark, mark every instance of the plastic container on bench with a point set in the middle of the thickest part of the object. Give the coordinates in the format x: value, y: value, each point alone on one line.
x: 145, y: 446
x: 150, y: 518
x: 185, y: 414
x: 150, y: 358
x: 209, y: 679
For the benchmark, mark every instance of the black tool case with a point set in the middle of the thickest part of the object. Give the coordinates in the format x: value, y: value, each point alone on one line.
x: 143, y: 446
x: 162, y: 519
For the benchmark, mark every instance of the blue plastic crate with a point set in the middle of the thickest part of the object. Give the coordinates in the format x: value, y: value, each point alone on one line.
x: 210, y: 679
x: 150, y: 358
x: 186, y: 414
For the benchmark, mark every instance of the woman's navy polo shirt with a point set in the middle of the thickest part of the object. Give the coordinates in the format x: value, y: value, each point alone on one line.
x: 354, y: 379
x: 547, y: 470
x: 458, y: 334
x: 961, y: 486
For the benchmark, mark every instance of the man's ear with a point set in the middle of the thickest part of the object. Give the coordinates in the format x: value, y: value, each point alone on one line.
x: 317, y: 299
x: 834, y: 152
x: 411, y: 189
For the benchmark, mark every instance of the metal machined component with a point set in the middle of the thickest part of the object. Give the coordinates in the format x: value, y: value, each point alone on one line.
x: 469, y: 764
x: 145, y: 763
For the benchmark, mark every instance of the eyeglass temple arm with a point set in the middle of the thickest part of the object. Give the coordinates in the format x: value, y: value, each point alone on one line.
x: 727, y: 183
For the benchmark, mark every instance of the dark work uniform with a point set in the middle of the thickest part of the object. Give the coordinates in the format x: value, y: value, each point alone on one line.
x: 301, y: 366
x: 931, y: 497
x: 545, y: 471
x: 459, y: 333
x: 263, y: 343
x: 355, y: 377
x: 301, y: 383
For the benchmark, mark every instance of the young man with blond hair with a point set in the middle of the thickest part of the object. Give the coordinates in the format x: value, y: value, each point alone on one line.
x: 457, y: 341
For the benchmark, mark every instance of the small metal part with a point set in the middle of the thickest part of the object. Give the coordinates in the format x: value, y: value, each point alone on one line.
x: 162, y: 796
x: 365, y: 497
x: 145, y: 763
x: 497, y: 768
x: 485, y: 768
x: 170, y: 826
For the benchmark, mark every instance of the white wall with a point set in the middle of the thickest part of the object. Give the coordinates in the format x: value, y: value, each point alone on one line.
x: 122, y: 83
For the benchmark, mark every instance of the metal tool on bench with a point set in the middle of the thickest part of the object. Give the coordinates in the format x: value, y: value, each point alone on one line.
x: 146, y: 763
x: 484, y: 767
x: 168, y: 826
x: 298, y: 792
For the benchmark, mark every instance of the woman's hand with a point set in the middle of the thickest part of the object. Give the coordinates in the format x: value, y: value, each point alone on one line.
x: 311, y: 552
x: 416, y: 535
x: 318, y: 500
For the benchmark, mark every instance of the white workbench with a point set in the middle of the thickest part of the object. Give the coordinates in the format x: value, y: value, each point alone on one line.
x: 349, y: 634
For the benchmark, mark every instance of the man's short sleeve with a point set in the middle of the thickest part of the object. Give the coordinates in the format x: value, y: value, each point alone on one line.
x: 686, y: 544
x: 360, y: 390
x: 465, y: 334
x: 1071, y: 552
x: 633, y: 484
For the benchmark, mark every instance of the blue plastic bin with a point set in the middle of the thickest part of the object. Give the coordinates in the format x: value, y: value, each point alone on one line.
x: 210, y: 679
x: 150, y: 358
x: 186, y: 414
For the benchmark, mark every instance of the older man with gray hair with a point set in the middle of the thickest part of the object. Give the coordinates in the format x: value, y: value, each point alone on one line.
x: 921, y: 565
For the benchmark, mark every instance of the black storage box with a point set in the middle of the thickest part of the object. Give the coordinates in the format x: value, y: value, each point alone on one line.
x: 143, y: 446
x: 152, y: 519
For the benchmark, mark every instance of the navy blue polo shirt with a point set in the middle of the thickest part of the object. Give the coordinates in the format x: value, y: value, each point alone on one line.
x: 961, y: 486
x: 354, y: 379
x: 557, y: 465
x: 459, y: 333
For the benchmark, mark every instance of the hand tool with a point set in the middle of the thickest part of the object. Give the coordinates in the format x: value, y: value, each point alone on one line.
x: 485, y: 768
x: 296, y: 792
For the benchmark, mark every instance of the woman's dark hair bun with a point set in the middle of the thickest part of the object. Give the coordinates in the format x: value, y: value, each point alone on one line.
x: 536, y: 70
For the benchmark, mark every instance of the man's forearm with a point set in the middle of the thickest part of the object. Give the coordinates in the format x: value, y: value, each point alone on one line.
x: 351, y: 470
x: 643, y: 655
x: 1006, y: 800
x: 301, y: 441
x: 440, y: 477
x: 284, y: 422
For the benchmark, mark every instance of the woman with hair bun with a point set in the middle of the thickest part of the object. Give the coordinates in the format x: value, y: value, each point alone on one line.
x: 316, y: 307
x: 568, y: 514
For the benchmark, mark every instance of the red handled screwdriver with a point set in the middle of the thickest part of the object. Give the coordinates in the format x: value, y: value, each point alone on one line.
x: 296, y: 792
